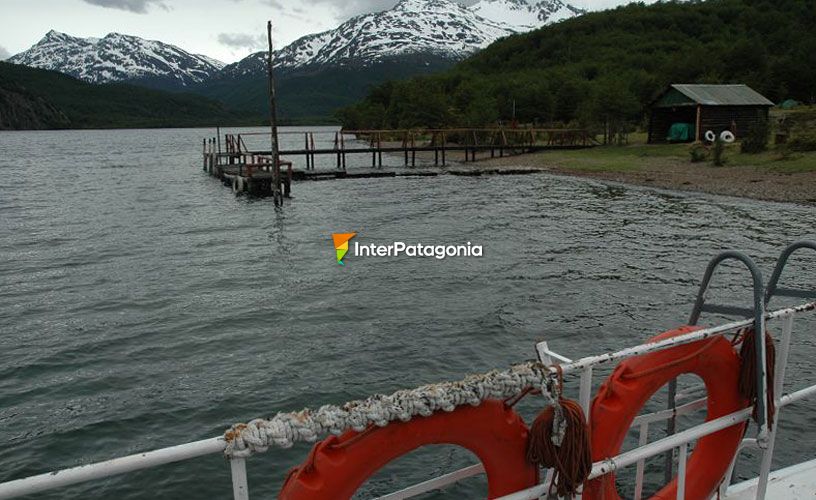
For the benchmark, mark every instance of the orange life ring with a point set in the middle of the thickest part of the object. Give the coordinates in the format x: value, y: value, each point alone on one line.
x: 338, y: 466
x: 635, y: 380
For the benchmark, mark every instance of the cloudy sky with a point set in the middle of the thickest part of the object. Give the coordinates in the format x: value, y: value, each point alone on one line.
x: 225, y: 29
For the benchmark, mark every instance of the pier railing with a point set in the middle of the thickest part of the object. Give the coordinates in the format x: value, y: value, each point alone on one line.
x: 408, y: 142
x: 248, y: 171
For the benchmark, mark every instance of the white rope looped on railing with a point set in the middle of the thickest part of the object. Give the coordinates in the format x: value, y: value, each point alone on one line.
x: 285, y: 429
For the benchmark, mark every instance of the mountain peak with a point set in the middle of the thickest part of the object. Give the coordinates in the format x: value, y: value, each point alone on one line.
x: 118, y: 57
x: 55, y: 36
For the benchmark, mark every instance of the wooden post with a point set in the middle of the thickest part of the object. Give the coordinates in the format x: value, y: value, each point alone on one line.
x: 698, y: 133
x: 306, y: 147
x: 337, y: 147
x: 312, y: 148
x: 379, y: 149
x: 435, y: 145
x: 273, y: 119
x: 413, y: 149
x: 287, y: 186
x: 343, y: 149
x: 444, y: 141
x: 218, y: 137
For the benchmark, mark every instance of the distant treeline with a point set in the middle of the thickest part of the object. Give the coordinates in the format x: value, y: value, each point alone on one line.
x: 39, y: 99
x: 603, y: 69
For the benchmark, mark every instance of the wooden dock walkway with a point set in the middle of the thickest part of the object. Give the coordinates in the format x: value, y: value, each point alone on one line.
x: 251, y: 170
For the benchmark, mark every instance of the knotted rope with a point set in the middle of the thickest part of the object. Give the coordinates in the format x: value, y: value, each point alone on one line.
x: 285, y: 429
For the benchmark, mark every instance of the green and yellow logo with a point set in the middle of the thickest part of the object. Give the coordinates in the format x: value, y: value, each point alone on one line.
x: 341, y: 245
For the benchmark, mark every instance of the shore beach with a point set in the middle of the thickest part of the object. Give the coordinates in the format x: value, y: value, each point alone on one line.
x: 766, y: 176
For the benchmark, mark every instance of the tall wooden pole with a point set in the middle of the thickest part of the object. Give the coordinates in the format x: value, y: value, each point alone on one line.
x: 218, y: 137
x: 273, y: 119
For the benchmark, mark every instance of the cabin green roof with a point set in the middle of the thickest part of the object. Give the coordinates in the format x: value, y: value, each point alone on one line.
x: 711, y: 95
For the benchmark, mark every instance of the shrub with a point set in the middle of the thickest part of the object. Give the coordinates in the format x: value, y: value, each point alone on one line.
x: 802, y: 139
x: 698, y: 153
x: 718, y: 152
x: 756, y: 140
x: 784, y: 152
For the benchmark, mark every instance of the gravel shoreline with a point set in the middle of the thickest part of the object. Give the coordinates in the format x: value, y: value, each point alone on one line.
x: 744, y: 181
x: 668, y: 172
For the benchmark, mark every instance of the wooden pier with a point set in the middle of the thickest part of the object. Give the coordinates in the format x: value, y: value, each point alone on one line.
x: 251, y: 169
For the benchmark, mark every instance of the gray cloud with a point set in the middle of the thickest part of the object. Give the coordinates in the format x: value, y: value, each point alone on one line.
x: 4, y: 54
x: 242, y: 40
x: 136, y: 6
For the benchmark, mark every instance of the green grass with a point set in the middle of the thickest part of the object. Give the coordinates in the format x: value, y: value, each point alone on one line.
x: 775, y: 161
x: 638, y: 155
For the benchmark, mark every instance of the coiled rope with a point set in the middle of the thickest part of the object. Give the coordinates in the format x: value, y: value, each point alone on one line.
x: 285, y: 429
x: 559, y: 439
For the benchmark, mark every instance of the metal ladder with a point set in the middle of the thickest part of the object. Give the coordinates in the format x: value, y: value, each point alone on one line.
x: 761, y: 297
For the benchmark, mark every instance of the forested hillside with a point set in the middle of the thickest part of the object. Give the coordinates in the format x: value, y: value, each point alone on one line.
x: 607, y: 66
x: 311, y: 95
x: 40, y: 99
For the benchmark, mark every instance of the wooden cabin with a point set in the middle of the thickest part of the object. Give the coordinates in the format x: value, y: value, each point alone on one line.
x: 696, y: 109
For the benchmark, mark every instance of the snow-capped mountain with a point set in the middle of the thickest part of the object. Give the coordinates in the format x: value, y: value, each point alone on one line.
x: 438, y: 27
x: 118, y: 57
x: 437, y: 30
x: 523, y: 15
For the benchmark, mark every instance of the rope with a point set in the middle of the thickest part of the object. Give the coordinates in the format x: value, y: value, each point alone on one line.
x: 285, y: 429
x: 559, y: 439
x: 748, y: 370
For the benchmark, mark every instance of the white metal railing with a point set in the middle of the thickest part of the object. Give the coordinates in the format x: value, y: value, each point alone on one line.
x: 681, y: 440
x: 583, y: 366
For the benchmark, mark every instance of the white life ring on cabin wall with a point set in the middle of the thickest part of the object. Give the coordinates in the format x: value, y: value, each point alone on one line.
x: 728, y: 137
x: 710, y: 136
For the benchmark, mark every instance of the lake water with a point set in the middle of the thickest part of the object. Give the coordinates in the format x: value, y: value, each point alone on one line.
x: 143, y: 305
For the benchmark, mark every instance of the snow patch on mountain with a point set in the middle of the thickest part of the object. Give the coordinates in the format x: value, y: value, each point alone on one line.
x: 523, y: 15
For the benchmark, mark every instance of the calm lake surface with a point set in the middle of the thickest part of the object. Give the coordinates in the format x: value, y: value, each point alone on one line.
x: 143, y: 305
